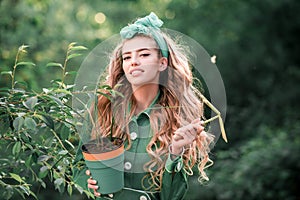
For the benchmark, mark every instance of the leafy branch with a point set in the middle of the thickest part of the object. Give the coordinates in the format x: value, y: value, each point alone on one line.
x: 72, y: 52
x: 22, y: 49
x: 37, y: 134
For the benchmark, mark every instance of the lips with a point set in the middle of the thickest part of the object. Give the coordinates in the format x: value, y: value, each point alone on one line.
x: 135, y: 71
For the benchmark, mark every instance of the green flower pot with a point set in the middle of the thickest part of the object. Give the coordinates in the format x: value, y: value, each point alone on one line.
x: 107, y: 168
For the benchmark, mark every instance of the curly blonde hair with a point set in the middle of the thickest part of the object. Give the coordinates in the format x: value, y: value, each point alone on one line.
x: 178, y: 105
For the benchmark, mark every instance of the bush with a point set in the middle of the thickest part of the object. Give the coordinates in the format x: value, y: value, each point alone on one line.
x: 37, y: 134
x: 265, y: 167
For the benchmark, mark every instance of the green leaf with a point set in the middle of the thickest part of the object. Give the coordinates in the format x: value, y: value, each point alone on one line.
x: 63, y: 152
x: 30, y: 123
x: 43, y: 184
x: 22, y: 83
x: 33, y: 194
x: 29, y: 146
x: 43, y: 158
x: 70, y: 86
x: 26, y: 190
x: 16, y: 148
x: 7, y: 72
x: 28, y: 161
x: 105, y: 87
x: 46, y: 91
x: 73, y: 55
x: 79, y: 188
x: 5, y: 123
x: 57, y: 100
x: 72, y: 44
x: 60, y: 185
x: 56, y: 175
x: 58, y: 82
x: 63, y: 91
x: 47, y: 120
x: 64, y: 132
x: 5, y: 89
x: 18, y: 123
x: 75, y: 48
x: 16, y: 177
x: 58, y: 182
x: 31, y: 102
x: 69, y: 189
x: 71, y: 73
x: 104, y: 94
x: 26, y: 64
x: 116, y: 93
x: 23, y: 47
x: 52, y: 64
x: 70, y: 144
x: 66, y: 161
x: 8, y: 192
x: 43, y: 172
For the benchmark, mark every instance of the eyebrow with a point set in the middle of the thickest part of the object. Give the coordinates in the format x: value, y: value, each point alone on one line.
x: 138, y: 50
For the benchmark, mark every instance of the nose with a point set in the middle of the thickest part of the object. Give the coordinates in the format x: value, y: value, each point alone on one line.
x: 135, y: 61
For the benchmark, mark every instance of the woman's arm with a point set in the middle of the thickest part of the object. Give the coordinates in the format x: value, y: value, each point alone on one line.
x: 174, y: 182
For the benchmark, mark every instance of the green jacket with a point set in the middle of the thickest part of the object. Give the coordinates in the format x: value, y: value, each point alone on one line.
x: 174, y: 182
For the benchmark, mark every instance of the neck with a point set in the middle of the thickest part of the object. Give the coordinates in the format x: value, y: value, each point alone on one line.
x: 144, y: 96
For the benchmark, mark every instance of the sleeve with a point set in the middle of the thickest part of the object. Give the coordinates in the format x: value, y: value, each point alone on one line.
x: 174, y: 181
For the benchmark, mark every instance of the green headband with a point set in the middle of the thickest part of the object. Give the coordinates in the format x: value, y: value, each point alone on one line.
x: 149, y: 25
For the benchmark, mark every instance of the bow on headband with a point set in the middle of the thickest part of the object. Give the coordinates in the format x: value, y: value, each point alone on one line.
x: 149, y: 25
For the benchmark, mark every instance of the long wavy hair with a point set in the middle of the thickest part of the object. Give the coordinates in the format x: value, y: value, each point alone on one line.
x: 178, y: 105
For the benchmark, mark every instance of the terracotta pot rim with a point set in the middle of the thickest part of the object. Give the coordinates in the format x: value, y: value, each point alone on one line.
x: 103, y: 156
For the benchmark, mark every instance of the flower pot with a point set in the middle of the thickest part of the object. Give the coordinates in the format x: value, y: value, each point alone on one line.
x: 105, y: 160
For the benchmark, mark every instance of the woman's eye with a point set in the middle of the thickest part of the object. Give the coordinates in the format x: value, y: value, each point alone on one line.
x: 126, y: 57
x: 145, y: 54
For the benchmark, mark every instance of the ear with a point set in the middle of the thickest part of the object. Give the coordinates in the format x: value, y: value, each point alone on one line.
x: 163, y: 63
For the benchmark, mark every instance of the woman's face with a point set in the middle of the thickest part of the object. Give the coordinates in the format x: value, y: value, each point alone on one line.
x: 141, y: 61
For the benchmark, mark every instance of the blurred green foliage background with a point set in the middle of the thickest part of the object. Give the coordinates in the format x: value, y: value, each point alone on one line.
x: 257, y: 47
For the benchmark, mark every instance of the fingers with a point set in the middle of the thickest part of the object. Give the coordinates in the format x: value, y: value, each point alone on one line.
x: 92, y: 184
x: 190, y: 131
x: 183, y: 134
x: 97, y: 194
x: 178, y: 137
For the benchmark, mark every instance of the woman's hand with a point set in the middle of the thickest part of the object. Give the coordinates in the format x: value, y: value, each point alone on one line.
x: 92, y: 184
x: 186, y: 135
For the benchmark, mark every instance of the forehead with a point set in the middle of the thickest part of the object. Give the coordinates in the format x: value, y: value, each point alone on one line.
x: 138, y: 43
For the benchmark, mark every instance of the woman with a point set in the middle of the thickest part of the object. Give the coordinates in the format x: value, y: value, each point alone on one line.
x: 162, y: 113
